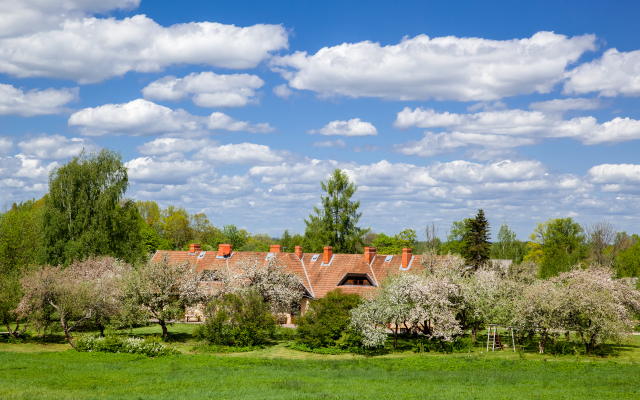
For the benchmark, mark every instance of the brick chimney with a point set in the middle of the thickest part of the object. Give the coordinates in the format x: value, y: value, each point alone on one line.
x: 224, y: 250
x: 369, y: 253
x: 194, y: 248
x: 299, y: 251
x: 406, y: 257
x: 328, y: 253
x: 275, y: 248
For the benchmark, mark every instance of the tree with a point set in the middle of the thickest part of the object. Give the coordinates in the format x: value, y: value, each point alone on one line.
x: 84, y: 213
x: 85, y: 290
x: 455, y: 237
x: 327, y: 319
x: 394, y: 244
x: 600, y: 236
x: 336, y: 223
x: 10, y: 296
x: 507, y: 246
x: 628, y: 261
x: 161, y: 290
x: 19, y: 233
x: 176, y: 226
x: 477, y: 248
x: 151, y: 214
x: 556, y: 245
x: 236, y: 237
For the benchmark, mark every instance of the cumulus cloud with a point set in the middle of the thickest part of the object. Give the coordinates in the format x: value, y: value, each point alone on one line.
x: 353, y: 127
x: 14, y: 101
x: 282, y: 91
x: 163, y: 146
x: 329, y: 143
x: 91, y: 50
x: 25, y: 16
x: 208, y: 89
x: 532, y: 124
x: 445, y: 68
x: 148, y: 170
x: 615, y: 73
x: 218, y: 120
x: 615, y: 173
x: 560, y: 105
x: 54, y: 147
x: 144, y: 118
x: 243, y: 153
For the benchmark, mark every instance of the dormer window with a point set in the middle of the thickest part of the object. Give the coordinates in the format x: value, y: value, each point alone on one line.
x: 356, y: 280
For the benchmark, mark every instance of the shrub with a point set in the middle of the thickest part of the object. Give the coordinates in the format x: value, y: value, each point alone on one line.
x: 152, y: 346
x: 327, y: 319
x: 239, y: 321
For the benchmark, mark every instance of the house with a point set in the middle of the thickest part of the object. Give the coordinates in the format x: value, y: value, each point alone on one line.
x: 320, y: 273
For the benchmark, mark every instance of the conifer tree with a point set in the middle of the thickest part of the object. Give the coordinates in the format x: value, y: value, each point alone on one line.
x: 477, y: 248
x: 336, y: 223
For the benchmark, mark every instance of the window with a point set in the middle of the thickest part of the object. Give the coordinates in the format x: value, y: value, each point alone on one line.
x: 388, y: 258
x: 201, y: 255
x: 315, y: 257
x: 355, y: 280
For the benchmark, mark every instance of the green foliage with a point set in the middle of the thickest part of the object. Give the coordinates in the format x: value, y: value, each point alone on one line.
x: 150, y: 346
x: 327, y: 319
x: 289, y: 242
x: 508, y: 247
x: 556, y: 245
x: 19, y: 234
x: 238, y: 320
x: 335, y: 224
x: 394, y: 245
x: 84, y: 213
x: 234, y: 236
x: 628, y: 261
x: 455, y: 238
x: 477, y: 248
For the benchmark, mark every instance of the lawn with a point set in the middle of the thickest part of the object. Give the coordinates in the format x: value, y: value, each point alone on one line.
x: 37, y: 369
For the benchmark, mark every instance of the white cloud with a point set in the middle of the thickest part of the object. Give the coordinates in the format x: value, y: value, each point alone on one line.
x: 532, y: 124
x: 144, y: 118
x: 24, y: 16
x: 614, y: 173
x: 445, y: 68
x: 14, y: 101
x: 91, y: 50
x: 560, y: 105
x: 209, y: 89
x: 353, y: 127
x: 243, y: 153
x: 148, y: 170
x: 434, y: 144
x: 218, y: 120
x: 282, y: 91
x: 6, y: 146
x: 163, y: 146
x: 54, y: 147
x: 136, y: 118
x: 615, y: 73
x: 337, y: 143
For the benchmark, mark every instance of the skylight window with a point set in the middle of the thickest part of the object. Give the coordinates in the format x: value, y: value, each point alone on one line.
x: 315, y: 257
x: 270, y: 256
x: 388, y: 258
x: 201, y: 255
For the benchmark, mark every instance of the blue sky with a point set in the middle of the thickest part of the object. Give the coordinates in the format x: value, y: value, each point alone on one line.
x: 239, y: 109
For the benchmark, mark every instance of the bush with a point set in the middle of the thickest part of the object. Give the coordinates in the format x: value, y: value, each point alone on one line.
x: 215, y: 348
x: 152, y: 346
x: 238, y: 321
x: 326, y: 320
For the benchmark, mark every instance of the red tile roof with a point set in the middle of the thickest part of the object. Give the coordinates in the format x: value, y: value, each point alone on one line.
x: 317, y: 278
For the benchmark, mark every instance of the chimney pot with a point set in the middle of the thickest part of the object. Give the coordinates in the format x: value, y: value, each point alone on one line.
x: 299, y: 251
x: 406, y: 257
x: 275, y: 248
x: 328, y: 253
x: 194, y: 248
x: 369, y: 253
x: 224, y: 250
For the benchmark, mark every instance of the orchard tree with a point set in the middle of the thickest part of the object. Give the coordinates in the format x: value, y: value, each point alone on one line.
x: 10, y: 296
x: 160, y: 290
x: 85, y: 214
x: 335, y: 224
x: 477, y: 248
x: 85, y: 291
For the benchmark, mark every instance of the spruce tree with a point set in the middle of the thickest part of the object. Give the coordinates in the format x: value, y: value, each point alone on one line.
x: 336, y: 223
x: 477, y: 248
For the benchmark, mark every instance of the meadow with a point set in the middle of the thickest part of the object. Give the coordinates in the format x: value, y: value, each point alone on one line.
x: 46, y: 368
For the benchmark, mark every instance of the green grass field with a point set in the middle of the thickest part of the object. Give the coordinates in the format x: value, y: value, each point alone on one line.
x: 46, y: 368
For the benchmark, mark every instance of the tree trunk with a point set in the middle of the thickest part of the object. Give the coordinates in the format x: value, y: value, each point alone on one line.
x: 101, y: 327
x: 163, y: 324
x: 567, y: 336
x: 15, y: 333
x: 474, y: 331
x: 542, y: 342
x: 553, y: 338
x: 395, y: 336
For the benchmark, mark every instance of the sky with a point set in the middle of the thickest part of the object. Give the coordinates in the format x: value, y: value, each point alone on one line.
x: 239, y: 109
